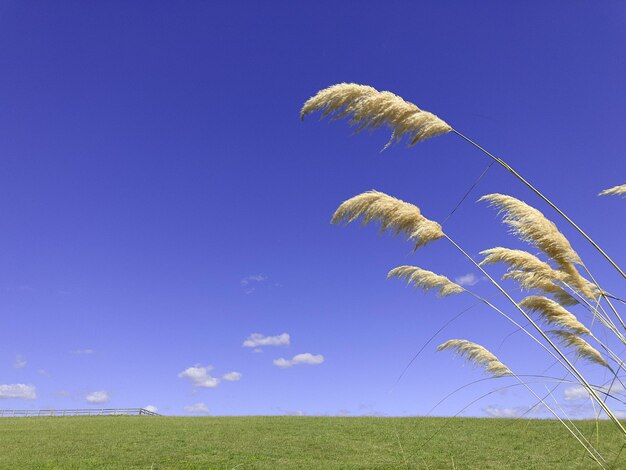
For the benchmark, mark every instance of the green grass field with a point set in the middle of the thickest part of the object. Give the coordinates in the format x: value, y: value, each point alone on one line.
x: 132, y: 442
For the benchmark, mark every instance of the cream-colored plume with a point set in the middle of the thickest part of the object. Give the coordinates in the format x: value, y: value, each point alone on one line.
x: 615, y: 191
x: 522, y: 260
x: 533, y: 227
x: 528, y: 280
x: 368, y: 108
x: 478, y: 355
x: 530, y: 272
x: 583, y: 348
x: 426, y: 280
x: 553, y: 313
x: 392, y: 213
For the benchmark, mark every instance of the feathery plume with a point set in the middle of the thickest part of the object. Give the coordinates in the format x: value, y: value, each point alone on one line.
x: 478, y: 355
x: 426, y: 280
x: 615, y: 191
x: 553, y: 313
x: 530, y: 272
x: 534, y: 228
x: 522, y: 260
x: 392, y: 213
x: 368, y: 108
x: 528, y: 280
x: 583, y: 348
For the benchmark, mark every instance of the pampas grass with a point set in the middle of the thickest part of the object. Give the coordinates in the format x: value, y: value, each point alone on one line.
x: 529, y: 280
x: 553, y: 313
x: 557, y: 276
x: 615, y: 191
x: 581, y: 347
x: 476, y: 354
x: 534, y: 228
x: 427, y: 280
x: 368, y: 108
x: 393, y: 214
x: 521, y: 260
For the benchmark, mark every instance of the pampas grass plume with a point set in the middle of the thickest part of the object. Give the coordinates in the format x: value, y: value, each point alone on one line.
x: 368, y: 108
x: 421, y: 278
x: 615, y: 191
x: 533, y: 227
x: 478, y: 355
x: 393, y: 214
x: 553, y: 313
x: 583, y: 348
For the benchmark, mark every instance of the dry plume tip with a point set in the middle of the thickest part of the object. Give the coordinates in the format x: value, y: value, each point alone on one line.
x: 582, y: 348
x: 393, y: 214
x: 553, y: 313
x: 615, y: 191
x: 421, y: 278
x: 368, y: 108
x: 478, y: 355
x: 533, y: 227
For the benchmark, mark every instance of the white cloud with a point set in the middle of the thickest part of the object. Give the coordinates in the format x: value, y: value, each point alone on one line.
x: 25, y: 392
x: 101, y: 396
x: 575, y: 393
x: 197, y: 408
x: 200, y: 376
x: 304, y: 358
x: 249, y: 283
x: 20, y: 362
x: 82, y: 351
x: 257, y: 339
x: 246, y: 281
x: 257, y: 350
x: 232, y: 376
x: 503, y: 412
x: 151, y: 408
x: 467, y: 279
x: 515, y: 411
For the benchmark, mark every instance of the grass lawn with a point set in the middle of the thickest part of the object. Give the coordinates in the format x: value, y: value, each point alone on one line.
x: 131, y: 442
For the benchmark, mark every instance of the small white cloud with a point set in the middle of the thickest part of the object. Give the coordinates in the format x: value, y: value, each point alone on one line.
x: 232, y: 376
x: 250, y: 283
x: 151, y: 408
x: 22, y: 391
x: 200, y: 376
x: 503, y: 412
x: 257, y: 339
x: 257, y: 350
x: 576, y: 392
x: 82, y: 351
x: 197, y: 408
x: 467, y: 279
x: 101, y: 396
x: 515, y: 411
x: 43, y: 373
x: 304, y: 358
x: 20, y: 362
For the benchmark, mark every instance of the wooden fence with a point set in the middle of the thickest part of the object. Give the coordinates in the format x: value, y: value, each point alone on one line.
x: 81, y: 412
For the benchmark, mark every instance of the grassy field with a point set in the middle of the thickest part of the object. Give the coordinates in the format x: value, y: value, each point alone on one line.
x: 133, y: 442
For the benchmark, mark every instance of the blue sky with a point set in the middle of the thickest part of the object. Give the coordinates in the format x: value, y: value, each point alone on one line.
x: 162, y: 202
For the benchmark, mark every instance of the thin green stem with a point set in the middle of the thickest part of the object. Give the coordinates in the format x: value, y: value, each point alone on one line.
x: 542, y: 196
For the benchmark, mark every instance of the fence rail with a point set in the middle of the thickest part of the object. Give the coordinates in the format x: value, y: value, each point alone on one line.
x: 81, y: 412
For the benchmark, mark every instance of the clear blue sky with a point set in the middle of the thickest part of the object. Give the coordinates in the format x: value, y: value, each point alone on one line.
x: 160, y: 200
